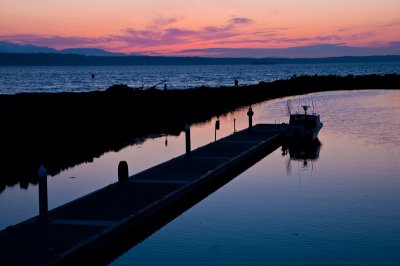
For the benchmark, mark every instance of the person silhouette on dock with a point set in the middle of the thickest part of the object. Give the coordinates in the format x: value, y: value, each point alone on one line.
x: 236, y: 83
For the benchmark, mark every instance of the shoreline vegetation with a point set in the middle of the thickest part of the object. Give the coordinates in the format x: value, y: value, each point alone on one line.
x: 62, y: 130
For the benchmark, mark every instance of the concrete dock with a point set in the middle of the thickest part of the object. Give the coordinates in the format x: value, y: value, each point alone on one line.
x: 105, y: 223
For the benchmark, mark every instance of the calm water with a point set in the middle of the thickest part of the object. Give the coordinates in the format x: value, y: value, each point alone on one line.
x: 340, y: 209
x: 55, y: 79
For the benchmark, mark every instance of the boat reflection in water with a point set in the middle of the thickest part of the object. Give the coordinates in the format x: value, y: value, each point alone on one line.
x: 304, y: 152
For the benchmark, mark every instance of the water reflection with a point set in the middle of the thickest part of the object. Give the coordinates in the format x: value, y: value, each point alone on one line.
x: 347, y: 212
x: 22, y: 172
x: 140, y: 153
x: 303, y: 152
x: 368, y: 159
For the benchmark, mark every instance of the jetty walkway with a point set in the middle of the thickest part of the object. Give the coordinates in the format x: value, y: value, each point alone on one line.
x: 99, y: 223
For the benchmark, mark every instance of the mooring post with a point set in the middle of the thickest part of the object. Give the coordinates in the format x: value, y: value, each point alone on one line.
x: 250, y: 113
x: 93, y: 76
x: 187, y: 137
x: 123, y: 172
x: 43, y: 203
x: 217, y: 125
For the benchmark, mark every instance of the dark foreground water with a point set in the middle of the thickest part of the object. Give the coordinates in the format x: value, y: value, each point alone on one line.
x: 340, y: 207
x: 67, y: 78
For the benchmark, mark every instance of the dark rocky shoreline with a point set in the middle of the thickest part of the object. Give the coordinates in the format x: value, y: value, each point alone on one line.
x: 61, y: 130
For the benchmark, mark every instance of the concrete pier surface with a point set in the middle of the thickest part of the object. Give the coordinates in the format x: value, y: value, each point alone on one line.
x: 103, y: 224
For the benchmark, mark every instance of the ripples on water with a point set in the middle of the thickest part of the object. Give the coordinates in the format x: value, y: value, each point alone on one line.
x: 60, y: 78
x: 341, y: 209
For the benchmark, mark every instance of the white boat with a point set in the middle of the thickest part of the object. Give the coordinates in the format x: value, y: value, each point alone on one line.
x: 304, y: 126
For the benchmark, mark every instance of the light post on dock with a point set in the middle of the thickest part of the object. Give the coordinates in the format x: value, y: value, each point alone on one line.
x: 250, y: 113
x: 187, y: 138
x: 43, y: 202
x: 217, y: 125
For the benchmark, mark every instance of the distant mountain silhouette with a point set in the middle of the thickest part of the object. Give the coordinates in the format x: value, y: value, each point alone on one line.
x: 12, y: 54
x: 300, y: 54
x: 53, y: 59
x: 310, y: 51
x: 8, y: 47
x: 330, y: 60
x: 56, y: 59
x: 89, y: 52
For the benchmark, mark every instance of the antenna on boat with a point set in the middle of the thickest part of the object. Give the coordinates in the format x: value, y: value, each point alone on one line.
x: 312, y: 102
x: 298, y: 106
x: 289, y: 107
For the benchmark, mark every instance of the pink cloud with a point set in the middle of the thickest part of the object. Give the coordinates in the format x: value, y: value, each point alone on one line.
x: 158, y: 32
x: 239, y: 21
x: 163, y: 21
x: 395, y: 23
x: 163, y: 36
x: 174, y: 36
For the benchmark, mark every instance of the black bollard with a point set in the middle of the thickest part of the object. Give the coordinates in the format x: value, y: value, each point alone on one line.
x: 43, y: 203
x: 217, y: 125
x: 123, y: 172
x: 250, y: 113
x: 187, y: 136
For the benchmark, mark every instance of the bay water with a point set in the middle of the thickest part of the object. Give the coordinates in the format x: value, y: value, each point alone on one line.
x: 339, y: 207
x: 78, y: 79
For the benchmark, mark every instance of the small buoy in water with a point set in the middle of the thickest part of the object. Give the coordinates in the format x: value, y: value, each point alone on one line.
x: 93, y: 76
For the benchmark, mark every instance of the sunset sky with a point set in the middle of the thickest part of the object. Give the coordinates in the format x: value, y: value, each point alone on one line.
x: 190, y: 27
